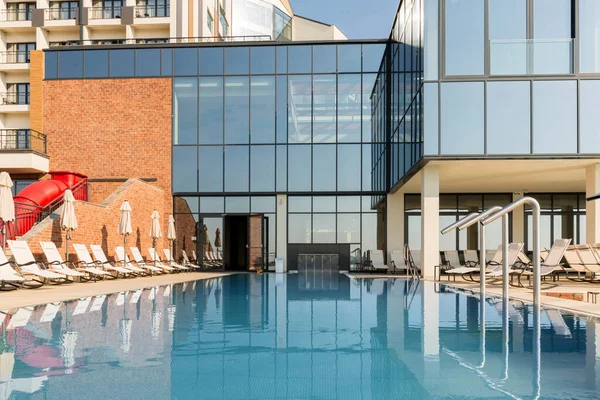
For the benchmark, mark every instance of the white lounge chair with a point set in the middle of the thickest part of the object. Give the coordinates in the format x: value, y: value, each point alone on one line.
x: 172, y: 262
x: 101, y: 259
x: 471, y: 258
x: 155, y: 259
x: 552, y: 263
x: 452, y: 258
x: 186, y: 261
x: 85, y: 259
x: 514, y: 249
x: 56, y: 263
x: 398, y: 262
x: 558, y: 322
x: 28, y: 265
x: 588, y: 259
x: 472, y: 264
x: 8, y: 276
x: 120, y: 252
x: 376, y: 260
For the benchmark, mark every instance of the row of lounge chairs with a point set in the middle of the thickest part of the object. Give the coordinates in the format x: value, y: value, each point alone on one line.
x: 26, y: 271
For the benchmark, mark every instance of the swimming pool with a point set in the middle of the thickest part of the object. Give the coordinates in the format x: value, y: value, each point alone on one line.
x: 296, y: 337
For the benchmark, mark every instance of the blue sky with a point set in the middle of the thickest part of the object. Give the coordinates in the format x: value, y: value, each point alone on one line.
x: 358, y: 19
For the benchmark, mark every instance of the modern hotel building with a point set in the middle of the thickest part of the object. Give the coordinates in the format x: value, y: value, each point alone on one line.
x: 318, y: 146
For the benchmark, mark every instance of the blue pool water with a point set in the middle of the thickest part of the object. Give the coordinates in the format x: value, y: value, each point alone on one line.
x: 296, y: 337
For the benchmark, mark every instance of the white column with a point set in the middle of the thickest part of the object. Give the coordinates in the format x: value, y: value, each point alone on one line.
x: 394, y: 224
x: 592, y: 209
x: 129, y: 32
x: 430, y: 220
x: 282, y: 229
x: 430, y: 332
x: 518, y: 221
x: 41, y: 38
x: 282, y: 310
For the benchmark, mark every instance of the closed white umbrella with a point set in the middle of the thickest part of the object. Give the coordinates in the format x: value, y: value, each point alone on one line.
x: 125, y: 227
x: 155, y: 231
x: 7, y: 205
x: 68, y: 219
x: 171, y: 236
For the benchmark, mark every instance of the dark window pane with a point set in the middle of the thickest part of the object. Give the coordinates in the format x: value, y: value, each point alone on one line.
x: 324, y: 168
x: 185, y: 108
x: 147, y: 62
x: 167, y: 62
x: 185, y: 166
x: 262, y: 60
x: 70, y: 64
x: 325, y: 58
x: 349, y: 108
x: 186, y: 61
x: 349, y: 57
x: 121, y: 63
x: 237, y: 113
x: 299, y: 168
x: 300, y: 59
x: 281, y: 169
x: 96, y: 64
x: 348, y: 167
x: 299, y: 109
x: 211, y: 110
x: 211, y: 169
x: 372, y: 56
x: 262, y: 168
x: 236, y: 60
x: 281, y: 109
x: 282, y: 53
x: 211, y: 61
x: 324, y: 108
x: 51, y: 61
x: 262, y: 110
x: 236, y: 168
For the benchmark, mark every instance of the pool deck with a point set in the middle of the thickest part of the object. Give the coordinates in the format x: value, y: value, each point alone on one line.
x: 51, y: 293
x: 563, y: 286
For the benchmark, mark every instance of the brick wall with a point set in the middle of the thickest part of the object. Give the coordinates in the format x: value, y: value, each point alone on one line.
x: 111, y: 128
x: 36, y: 88
x: 98, y: 222
x: 185, y: 228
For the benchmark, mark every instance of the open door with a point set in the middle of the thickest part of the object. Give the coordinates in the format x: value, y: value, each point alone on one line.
x: 256, y: 243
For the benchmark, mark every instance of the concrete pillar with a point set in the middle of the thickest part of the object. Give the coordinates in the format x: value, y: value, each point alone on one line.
x: 518, y: 221
x: 592, y: 209
x: 394, y: 225
x: 431, y: 329
x: 430, y: 220
x: 282, y: 241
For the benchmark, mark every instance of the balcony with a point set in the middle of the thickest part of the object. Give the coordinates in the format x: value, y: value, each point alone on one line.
x: 152, y: 11
x: 61, y: 14
x: 23, y: 151
x: 531, y: 57
x: 104, y: 12
x: 14, y: 102
x: 14, y: 61
x: 15, y: 19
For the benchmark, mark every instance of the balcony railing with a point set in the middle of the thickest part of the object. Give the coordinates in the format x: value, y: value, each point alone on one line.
x: 16, y: 15
x: 13, y: 98
x: 14, y: 57
x: 22, y: 140
x: 152, y: 11
x: 531, y: 57
x: 209, y: 39
x: 105, y: 12
x: 56, y: 13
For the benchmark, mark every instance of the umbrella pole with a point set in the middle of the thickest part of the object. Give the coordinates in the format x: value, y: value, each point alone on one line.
x: 125, y: 251
x: 67, y: 247
x: 3, y: 235
x: 154, y: 245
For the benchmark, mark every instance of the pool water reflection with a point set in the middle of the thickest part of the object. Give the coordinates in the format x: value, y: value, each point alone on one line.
x: 249, y: 336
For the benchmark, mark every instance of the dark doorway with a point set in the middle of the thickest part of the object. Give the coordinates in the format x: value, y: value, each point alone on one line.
x: 235, y: 242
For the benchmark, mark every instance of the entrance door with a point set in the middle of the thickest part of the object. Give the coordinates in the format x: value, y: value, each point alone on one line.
x: 256, y: 242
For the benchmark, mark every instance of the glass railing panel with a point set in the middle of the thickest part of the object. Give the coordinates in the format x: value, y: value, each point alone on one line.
x: 531, y: 57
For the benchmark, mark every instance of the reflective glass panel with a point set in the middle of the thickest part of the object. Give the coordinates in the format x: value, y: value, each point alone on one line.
x: 348, y: 170
x: 589, y: 120
x: 299, y: 204
x: 147, y: 62
x: 281, y: 109
x: 299, y: 228
x: 121, y: 63
x: 349, y: 57
x: 464, y: 37
x: 262, y: 109
x: 324, y: 228
x: 237, y: 204
x: 431, y: 40
x: 263, y: 204
x: 299, y: 168
x: 430, y: 120
x: 589, y: 36
x: 211, y: 61
x: 324, y: 108
x: 262, y: 168
x: 167, y: 62
x: 300, y: 59
x: 508, y: 118
x: 237, y: 60
x: 555, y: 117
x: 185, y: 120
x: 348, y: 203
x: 372, y: 56
x: 366, y: 167
x: 281, y: 170
x: 508, y: 31
x: 186, y: 61
x: 71, y: 64
x: 262, y: 60
x: 369, y: 231
x: 323, y: 167
x: 96, y: 64
x: 237, y: 110
x: 212, y: 204
x: 367, y: 85
x: 281, y: 53
x: 323, y: 204
x: 552, y: 51
x: 211, y: 169
x: 185, y: 168
x: 349, y: 108
x: 236, y: 168
x: 185, y: 204
x: 51, y: 62
x: 299, y: 109
x: 325, y: 58
x: 210, y: 110
x: 462, y: 118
